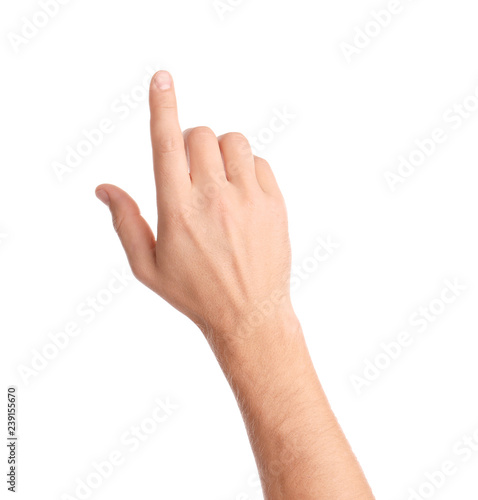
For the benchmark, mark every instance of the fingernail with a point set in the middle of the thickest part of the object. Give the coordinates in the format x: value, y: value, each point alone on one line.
x: 163, y: 80
x: 103, y: 196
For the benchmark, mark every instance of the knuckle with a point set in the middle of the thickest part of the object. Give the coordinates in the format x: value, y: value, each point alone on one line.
x: 213, y: 188
x: 250, y: 203
x: 235, y: 167
x: 236, y: 138
x: 199, y: 133
x: 239, y: 143
x: 222, y: 205
x: 166, y: 104
x: 260, y: 162
x: 168, y: 144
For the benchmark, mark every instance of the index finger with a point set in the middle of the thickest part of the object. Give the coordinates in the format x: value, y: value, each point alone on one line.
x: 169, y: 156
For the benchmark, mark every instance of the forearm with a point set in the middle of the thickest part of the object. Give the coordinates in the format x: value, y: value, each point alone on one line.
x: 300, y: 450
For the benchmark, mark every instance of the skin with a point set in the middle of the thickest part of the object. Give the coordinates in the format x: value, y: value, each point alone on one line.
x: 222, y: 257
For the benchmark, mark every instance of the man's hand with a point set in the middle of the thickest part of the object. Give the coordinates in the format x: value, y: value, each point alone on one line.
x: 222, y: 253
x: 222, y: 257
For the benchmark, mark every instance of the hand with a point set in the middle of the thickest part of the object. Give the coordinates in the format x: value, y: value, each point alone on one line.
x: 222, y: 253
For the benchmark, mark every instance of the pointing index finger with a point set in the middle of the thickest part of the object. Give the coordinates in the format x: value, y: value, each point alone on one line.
x: 169, y: 156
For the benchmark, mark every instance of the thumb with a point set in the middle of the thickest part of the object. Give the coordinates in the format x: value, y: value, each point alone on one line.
x: 134, y: 232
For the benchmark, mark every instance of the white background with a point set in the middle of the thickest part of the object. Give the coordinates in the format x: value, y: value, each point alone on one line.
x: 352, y: 122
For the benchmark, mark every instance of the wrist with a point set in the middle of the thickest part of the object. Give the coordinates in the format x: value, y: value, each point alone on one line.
x: 248, y: 336
x: 271, y: 361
